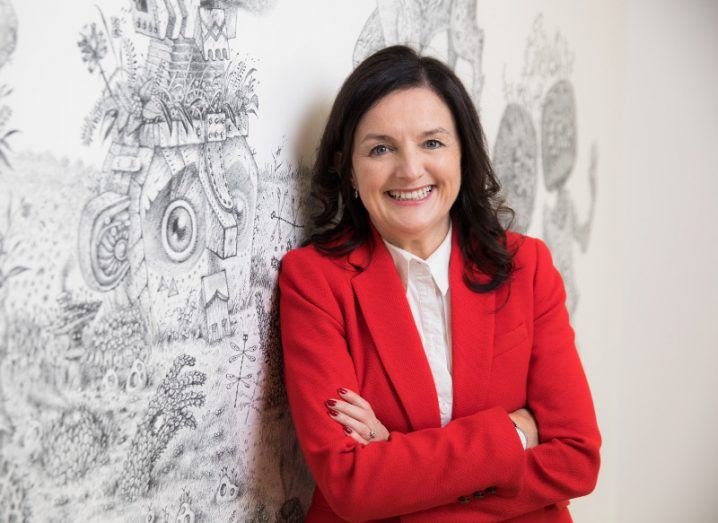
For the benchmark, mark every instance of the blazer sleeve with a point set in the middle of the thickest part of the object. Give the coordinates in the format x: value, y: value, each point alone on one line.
x: 409, y: 472
x: 565, y: 463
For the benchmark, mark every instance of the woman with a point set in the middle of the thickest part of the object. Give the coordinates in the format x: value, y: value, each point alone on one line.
x: 423, y: 343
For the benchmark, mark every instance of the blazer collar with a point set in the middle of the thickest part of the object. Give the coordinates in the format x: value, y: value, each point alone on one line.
x: 472, y: 336
x: 383, y: 302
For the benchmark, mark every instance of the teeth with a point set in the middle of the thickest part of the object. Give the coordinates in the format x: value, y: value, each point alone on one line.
x: 412, y: 195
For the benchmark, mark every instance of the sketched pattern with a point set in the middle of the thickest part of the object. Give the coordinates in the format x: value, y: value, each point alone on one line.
x: 140, y: 365
x: 417, y: 22
x: 543, y: 98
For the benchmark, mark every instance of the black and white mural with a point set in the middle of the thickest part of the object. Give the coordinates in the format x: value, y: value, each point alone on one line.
x: 538, y: 139
x: 140, y: 369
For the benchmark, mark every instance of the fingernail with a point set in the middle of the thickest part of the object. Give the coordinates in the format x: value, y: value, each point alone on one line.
x: 331, y: 403
x: 332, y: 412
x: 347, y: 430
x: 342, y: 391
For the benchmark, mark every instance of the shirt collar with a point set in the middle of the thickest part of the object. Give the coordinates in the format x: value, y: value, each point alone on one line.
x: 438, y: 262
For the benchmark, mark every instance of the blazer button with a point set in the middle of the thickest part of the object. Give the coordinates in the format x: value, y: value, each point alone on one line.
x: 464, y: 499
x: 491, y: 490
x: 478, y: 494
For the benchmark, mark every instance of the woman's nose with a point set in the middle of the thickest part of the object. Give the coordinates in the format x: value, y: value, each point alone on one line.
x: 410, y: 165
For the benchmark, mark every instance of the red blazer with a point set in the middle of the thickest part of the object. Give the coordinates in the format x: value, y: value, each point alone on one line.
x: 346, y: 323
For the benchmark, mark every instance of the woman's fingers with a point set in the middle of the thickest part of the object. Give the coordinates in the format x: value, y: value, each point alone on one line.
x: 352, y: 427
x: 357, y: 417
x: 354, y: 398
x: 353, y: 411
x: 354, y: 435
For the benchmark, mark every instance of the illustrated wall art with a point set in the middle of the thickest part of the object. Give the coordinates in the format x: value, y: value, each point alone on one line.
x: 140, y: 359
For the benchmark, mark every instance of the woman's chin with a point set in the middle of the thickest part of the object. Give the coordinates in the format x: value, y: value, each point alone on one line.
x: 408, y: 231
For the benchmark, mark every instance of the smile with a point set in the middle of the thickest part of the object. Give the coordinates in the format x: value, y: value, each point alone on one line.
x: 418, y: 194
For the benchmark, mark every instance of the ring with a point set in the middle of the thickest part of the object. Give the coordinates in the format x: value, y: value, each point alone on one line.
x: 372, y: 434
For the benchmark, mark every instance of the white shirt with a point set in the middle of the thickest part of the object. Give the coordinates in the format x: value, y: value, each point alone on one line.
x: 426, y: 283
x: 427, y: 290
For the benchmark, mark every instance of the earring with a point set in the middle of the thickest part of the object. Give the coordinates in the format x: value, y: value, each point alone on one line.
x: 356, y: 194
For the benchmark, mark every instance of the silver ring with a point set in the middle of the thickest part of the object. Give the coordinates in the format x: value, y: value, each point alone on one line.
x: 372, y: 434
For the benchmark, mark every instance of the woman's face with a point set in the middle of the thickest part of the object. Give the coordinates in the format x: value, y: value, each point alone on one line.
x: 406, y: 165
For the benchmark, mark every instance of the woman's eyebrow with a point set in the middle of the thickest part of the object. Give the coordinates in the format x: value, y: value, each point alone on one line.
x: 387, y: 138
x: 379, y: 137
x: 437, y: 130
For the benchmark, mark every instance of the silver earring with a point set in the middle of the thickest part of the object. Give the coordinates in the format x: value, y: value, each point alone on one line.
x: 356, y: 194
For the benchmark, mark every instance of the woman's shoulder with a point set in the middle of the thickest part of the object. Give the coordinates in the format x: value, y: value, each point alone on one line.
x: 320, y: 279
x: 312, y: 254
x: 534, y: 264
x: 312, y: 263
x: 529, y: 251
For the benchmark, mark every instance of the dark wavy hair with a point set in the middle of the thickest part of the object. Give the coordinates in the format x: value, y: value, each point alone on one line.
x: 341, y: 223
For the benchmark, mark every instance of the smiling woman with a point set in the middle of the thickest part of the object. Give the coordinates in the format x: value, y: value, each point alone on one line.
x: 429, y: 360
x: 406, y: 166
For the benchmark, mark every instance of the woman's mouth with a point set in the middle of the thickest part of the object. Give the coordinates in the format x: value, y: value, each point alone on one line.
x: 415, y: 195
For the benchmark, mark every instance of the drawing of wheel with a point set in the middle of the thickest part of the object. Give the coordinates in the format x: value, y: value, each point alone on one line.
x: 103, y: 241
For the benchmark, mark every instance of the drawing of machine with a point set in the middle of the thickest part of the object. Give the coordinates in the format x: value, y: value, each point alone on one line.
x: 178, y: 196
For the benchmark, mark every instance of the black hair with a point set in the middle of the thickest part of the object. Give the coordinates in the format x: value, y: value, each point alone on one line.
x: 341, y: 222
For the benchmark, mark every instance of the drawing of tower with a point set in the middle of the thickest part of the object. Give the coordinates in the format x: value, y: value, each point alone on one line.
x: 179, y: 188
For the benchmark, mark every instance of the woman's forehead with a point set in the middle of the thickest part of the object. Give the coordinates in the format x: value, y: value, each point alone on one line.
x: 417, y: 110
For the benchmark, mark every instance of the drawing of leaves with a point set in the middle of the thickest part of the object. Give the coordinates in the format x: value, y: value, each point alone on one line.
x: 92, y: 46
x: 5, y: 145
x: 13, y: 272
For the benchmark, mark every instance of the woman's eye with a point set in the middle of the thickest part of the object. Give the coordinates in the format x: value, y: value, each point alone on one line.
x: 378, y: 150
x: 433, y: 144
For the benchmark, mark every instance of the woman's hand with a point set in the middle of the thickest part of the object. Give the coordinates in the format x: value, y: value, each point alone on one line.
x: 357, y: 417
x: 527, y: 423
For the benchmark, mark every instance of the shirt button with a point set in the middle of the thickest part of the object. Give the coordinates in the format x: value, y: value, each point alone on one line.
x: 464, y: 499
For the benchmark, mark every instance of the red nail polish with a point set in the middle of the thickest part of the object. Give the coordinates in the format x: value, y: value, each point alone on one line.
x: 347, y: 430
x: 331, y: 403
x: 332, y: 412
x: 342, y: 391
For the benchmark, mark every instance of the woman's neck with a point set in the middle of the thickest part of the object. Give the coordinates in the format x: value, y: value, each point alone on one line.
x: 423, y: 245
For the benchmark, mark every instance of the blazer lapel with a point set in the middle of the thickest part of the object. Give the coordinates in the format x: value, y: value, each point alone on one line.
x: 472, y: 333
x: 383, y: 302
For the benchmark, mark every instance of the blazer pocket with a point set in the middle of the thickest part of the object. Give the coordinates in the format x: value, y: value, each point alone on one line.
x: 506, y: 341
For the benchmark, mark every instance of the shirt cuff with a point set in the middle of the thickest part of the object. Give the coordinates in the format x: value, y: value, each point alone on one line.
x: 522, y: 436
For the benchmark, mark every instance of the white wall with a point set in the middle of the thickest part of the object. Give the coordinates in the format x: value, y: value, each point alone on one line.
x: 649, y: 290
x: 667, y: 461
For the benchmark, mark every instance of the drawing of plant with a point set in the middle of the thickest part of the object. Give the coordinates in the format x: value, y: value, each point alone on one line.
x: 187, y: 100
x: 119, y: 109
x: 14, y: 503
x: 118, y: 339
x: 252, y: 402
x: 167, y: 413
x: 242, y: 353
x: 6, y: 273
x: 75, y: 443
x: 93, y: 47
x: 5, y: 114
